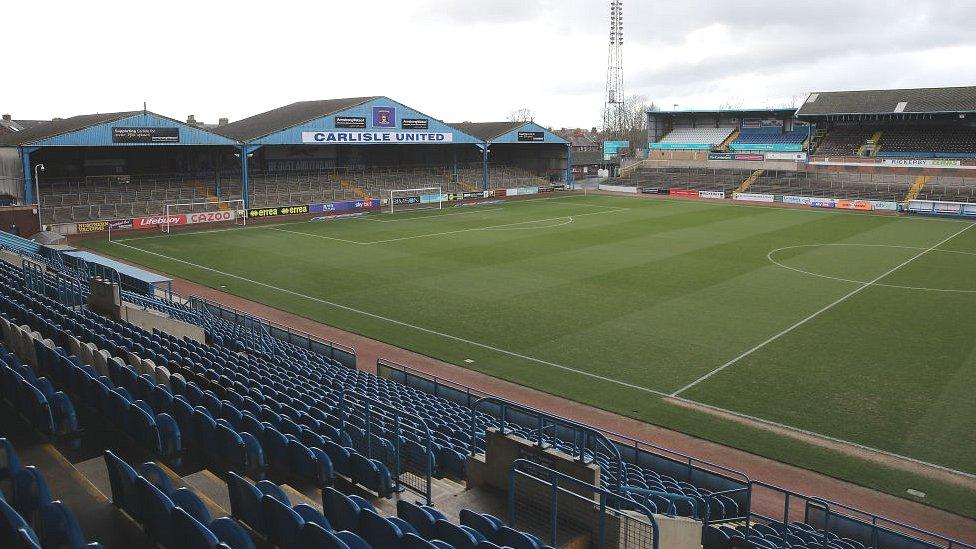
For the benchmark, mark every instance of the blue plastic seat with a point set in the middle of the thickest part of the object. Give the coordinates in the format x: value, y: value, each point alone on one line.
x: 268, y: 488
x: 254, y: 463
x: 9, y: 464
x: 486, y: 525
x: 314, y: 536
x: 275, y: 445
x: 418, y: 517
x: 230, y: 533
x: 191, y: 533
x: 170, y: 439
x: 30, y: 493
x: 189, y: 502
x: 413, y: 541
x: 121, y: 477
x: 340, y: 457
x: 10, y: 523
x: 230, y: 447
x: 204, y: 434
x: 156, y: 509
x: 371, y: 474
x: 342, y: 512
x: 459, y: 537
x: 378, y: 532
x: 156, y: 476
x: 516, y: 540
x: 245, y: 502
x: 352, y: 540
x: 58, y: 528
x: 282, y: 524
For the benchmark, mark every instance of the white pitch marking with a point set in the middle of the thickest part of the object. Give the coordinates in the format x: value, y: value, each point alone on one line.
x: 845, y: 297
x: 401, y: 323
x: 457, y: 231
x: 769, y: 256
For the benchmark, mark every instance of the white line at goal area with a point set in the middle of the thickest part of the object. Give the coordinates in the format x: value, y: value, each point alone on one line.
x: 420, y: 198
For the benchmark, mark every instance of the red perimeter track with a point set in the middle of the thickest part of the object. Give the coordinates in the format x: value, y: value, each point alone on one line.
x: 756, y: 467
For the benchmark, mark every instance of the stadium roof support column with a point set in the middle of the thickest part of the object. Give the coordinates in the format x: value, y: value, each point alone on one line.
x: 569, y: 164
x: 246, y: 152
x: 485, y: 175
x: 25, y: 154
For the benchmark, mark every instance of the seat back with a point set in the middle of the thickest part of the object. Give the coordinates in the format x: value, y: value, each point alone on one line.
x: 454, y: 535
x: 378, y: 532
x: 58, y: 527
x: 245, y: 501
x: 30, y: 493
x: 231, y: 533
x: 421, y: 520
x: 282, y: 524
x: 156, y: 508
x: 189, y: 502
x: 192, y: 533
x: 316, y: 537
x: 157, y: 477
x: 341, y: 511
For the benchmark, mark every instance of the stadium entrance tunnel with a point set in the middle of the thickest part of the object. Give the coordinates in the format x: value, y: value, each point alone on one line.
x: 938, y: 270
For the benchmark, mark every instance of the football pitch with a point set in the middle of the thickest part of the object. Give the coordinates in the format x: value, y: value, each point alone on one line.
x: 857, y: 327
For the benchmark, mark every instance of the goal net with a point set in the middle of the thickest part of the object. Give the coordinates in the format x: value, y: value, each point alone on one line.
x: 422, y: 198
x: 202, y: 214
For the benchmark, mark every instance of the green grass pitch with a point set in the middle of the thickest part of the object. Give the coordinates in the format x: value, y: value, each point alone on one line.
x: 857, y: 327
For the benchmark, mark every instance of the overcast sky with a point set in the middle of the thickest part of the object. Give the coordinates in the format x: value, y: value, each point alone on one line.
x: 468, y: 59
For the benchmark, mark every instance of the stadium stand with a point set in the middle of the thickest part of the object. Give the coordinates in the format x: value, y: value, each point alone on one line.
x: 770, y: 139
x: 266, y: 415
x: 938, y: 141
x: 844, y: 140
x: 694, y: 138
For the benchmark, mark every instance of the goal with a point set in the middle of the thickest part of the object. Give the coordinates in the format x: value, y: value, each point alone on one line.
x: 207, y: 212
x: 422, y: 198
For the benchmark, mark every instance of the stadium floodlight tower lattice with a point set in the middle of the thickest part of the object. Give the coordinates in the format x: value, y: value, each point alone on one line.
x: 614, y: 107
x: 203, y: 213
x: 421, y: 198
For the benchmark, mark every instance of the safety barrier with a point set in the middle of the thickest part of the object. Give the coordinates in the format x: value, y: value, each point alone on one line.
x: 844, y: 521
x: 343, y: 354
x: 580, y: 441
x: 411, y: 466
x: 575, y: 511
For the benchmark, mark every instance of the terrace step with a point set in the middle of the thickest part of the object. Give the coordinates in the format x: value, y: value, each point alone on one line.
x: 749, y: 181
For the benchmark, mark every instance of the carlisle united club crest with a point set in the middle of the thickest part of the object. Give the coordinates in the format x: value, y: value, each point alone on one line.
x: 384, y: 117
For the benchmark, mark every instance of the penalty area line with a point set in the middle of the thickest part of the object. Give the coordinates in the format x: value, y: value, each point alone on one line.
x: 402, y: 323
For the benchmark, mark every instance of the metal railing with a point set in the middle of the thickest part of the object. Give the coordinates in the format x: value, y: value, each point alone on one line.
x: 842, y: 520
x: 382, y: 421
x: 549, y: 431
x: 676, y: 464
x: 345, y: 355
x: 576, y: 509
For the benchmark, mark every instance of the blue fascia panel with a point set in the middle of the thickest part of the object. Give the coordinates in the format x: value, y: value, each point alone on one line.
x: 547, y: 136
x: 384, y: 118
x: 101, y: 134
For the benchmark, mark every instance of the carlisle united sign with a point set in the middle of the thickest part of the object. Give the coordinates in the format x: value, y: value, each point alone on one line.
x: 337, y: 137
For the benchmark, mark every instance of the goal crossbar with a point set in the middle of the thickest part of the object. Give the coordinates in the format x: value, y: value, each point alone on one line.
x: 420, y: 198
x: 203, y: 212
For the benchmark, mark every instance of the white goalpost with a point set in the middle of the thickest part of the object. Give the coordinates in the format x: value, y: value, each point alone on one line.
x: 222, y: 212
x: 421, y: 198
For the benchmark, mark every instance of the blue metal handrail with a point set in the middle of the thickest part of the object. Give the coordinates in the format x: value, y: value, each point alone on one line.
x: 403, y: 422
x: 584, y: 436
x: 555, y: 478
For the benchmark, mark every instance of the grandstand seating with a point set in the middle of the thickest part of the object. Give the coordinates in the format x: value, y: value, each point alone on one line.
x: 909, y: 141
x: 939, y: 141
x: 121, y: 197
x: 770, y: 139
x: 29, y: 516
x: 844, y: 140
x: 694, y: 138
